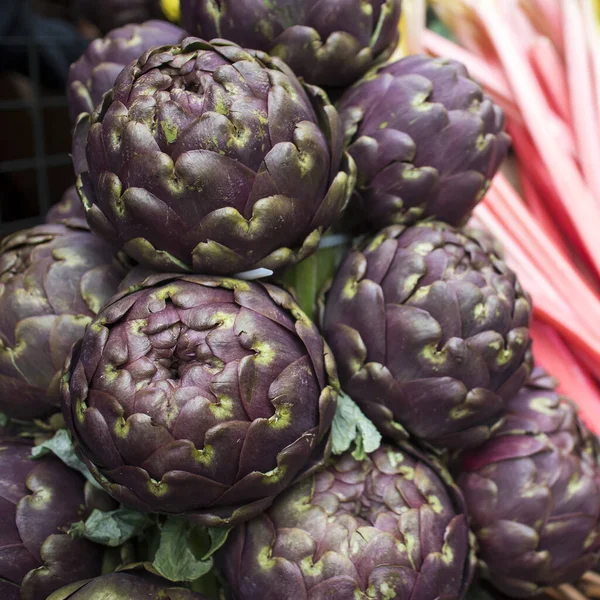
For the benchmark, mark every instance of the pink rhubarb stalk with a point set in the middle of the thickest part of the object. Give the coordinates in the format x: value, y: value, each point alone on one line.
x: 581, y: 90
x: 556, y: 357
x: 584, y: 212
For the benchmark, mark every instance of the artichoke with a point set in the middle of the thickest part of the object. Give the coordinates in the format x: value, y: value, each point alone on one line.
x: 390, y: 526
x: 327, y: 42
x: 430, y: 332
x: 200, y: 396
x: 426, y: 141
x: 98, y: 68
x: 53, y: 279
x: 205, y: 157
x: 68, y: 208
x: 124, y: 586
x: 39, y: 500
x: 533, y: 492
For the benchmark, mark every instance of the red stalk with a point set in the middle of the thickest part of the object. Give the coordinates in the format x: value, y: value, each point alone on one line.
x: 546, y: 17
x: 585, y: 213
x: 531, y: 162
x: 540, y: 248
x: 550, y: 70
x: 538, y: 208
x: 593, y: 40
x: 554, y: 355
x: 583, y: 105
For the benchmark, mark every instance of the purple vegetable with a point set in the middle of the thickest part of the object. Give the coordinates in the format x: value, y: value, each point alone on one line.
x: 426, y: 141
x: 200, y: 396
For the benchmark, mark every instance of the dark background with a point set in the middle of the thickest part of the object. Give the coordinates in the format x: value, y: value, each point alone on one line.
x: 39, y: 39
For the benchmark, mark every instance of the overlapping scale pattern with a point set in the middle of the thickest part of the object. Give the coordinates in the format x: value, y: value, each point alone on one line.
x: 200, y: 395
x: 426, y: 141
x: 533, y: 493
x: 209, y: 158
x: 125, y: 586
x: 429, y: 329
x: 330, y: 43
x: 53, y: 279
x: 97, y: 69
x: 391, y: 526
x: 39, y: 501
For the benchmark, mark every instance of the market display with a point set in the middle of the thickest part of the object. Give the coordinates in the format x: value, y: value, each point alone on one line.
x: 186, y: 412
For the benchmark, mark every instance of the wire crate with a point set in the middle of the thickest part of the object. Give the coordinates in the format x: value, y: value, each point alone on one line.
x: 35, y: 166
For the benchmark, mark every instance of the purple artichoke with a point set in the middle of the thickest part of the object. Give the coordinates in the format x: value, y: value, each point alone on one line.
x: 533, y: 493
x: 53, y: 279
x: 426, y: 141
x: 124, y: 586
x: 388, y: 527
x: 39, y: 501
x: 200, y: 396
x: 429, y: 330
x: 97, y: 70
x: 68, y: 208
x: 205, y: 157
x: 327, y: 42
x: 108, y: 14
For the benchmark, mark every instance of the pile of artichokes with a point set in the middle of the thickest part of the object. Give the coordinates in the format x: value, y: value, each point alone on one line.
x: 187, y: 413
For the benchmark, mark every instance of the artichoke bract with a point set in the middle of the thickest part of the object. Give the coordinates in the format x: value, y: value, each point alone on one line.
x: 124, y: 586
x: 200, y: 396
x: 430, y: 332
x: 39, y: 501
x: 98, y: 68
x: 390, y: 526
x: 53, y: 279
x: 207, y: 158
x: 533, y: 493
x: 328, y: 43
x: 68, y: 208
x: 426, y: 141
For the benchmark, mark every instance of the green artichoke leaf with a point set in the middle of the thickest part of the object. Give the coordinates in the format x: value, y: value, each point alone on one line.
x: 218, y: 537
x: 351, y: 426
x: 112, y: 528
x: 3, y: 420
x: 185, y: 550
x: 62, y: 447
x: 307, y: 279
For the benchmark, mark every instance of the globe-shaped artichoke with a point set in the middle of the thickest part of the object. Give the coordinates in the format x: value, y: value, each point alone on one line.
x: 426, y: 141
x: 39, y: 501
x: 124, y: 586
x: 200, y: 396
x: 429, y: 330
x: 205, y: 157
x: 98, y: 68
x: 53, y: 279
x: 388, y: 527
x: 68, y: 208
x: 533, y: 492
x: 327, y: 42
x: 108, y: 14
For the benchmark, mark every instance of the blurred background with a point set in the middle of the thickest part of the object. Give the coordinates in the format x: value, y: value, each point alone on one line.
x: 39, y: 39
